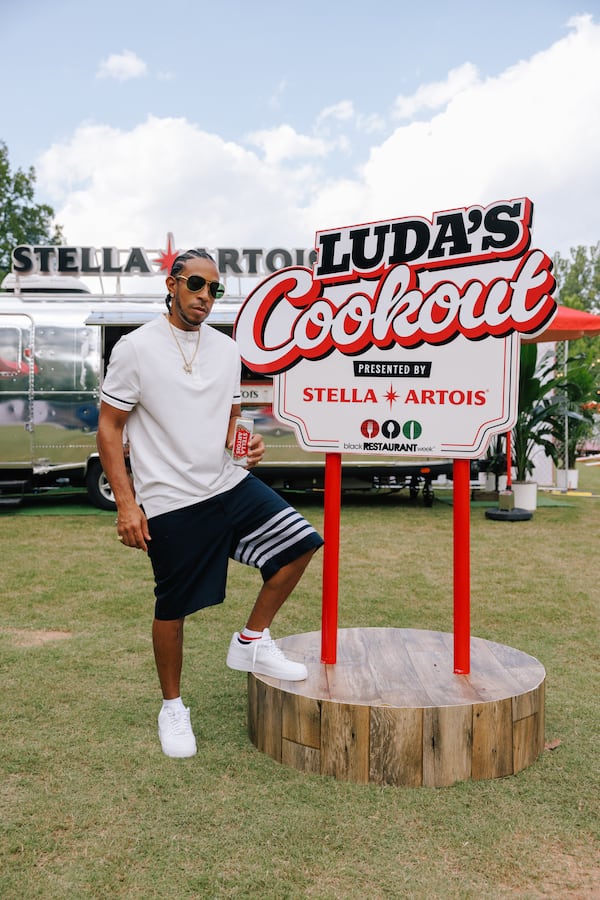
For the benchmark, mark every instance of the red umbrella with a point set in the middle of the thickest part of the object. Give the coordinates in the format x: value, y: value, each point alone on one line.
x: 567, y: 325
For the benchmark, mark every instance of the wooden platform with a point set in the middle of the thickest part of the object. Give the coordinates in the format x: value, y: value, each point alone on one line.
x: 392, y: 711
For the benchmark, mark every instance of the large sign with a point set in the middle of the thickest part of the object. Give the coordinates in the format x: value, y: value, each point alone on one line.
x: 404, y: 336
x: 90, y: 261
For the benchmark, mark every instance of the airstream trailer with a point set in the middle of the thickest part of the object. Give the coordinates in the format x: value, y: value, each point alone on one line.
x: 55, y: 341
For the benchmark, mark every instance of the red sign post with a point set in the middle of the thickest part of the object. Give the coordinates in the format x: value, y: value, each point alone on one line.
x: 331, y: 557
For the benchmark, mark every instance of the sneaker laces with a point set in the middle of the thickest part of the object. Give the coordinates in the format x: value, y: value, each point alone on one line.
x: 268, y: 645
x: 179, y: 720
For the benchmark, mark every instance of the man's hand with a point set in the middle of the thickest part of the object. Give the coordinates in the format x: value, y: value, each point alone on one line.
x: 256, y: 450
x: 132, y: 527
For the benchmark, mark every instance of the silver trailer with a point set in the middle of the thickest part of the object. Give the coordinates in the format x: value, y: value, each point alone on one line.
x: 54, y: 348
x: 51, y: 367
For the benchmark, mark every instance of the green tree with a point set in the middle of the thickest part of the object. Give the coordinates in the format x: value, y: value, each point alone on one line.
x: 578, y: 286
x: 22, y: 221
x: 578, y: 278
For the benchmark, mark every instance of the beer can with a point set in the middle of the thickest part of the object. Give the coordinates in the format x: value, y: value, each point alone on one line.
x: 241, y: 441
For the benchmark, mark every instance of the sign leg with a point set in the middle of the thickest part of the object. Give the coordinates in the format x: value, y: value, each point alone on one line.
x: 462, y: 566
x: 331, y: 556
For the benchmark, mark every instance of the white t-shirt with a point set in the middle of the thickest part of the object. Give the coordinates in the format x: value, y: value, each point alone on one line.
x: 177, y: 428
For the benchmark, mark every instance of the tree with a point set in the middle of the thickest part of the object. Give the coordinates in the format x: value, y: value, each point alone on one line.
x: 578, y: 286
x: 21, y: 220
x: 578, y: 278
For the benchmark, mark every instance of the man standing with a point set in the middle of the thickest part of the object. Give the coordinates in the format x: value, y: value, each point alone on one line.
x: 175, y: 384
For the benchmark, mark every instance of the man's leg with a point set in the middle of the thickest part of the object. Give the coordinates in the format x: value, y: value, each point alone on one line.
x: 254, y: 650
x: 167, y: 639
x: 275, y: 592
x: 174, y: 726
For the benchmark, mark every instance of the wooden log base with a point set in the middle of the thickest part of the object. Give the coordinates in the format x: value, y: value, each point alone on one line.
x: 391, y: 711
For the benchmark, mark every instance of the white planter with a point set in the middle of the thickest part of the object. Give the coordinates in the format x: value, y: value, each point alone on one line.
x: 525, y: 494
x: 567, y: 481
x: 490, y: 482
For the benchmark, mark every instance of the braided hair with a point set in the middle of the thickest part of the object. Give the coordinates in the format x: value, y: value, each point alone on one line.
x: 180, y: 261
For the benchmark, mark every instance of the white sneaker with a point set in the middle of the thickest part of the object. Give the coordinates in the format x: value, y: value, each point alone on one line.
x: 175, y: 732
x: 264, y: 657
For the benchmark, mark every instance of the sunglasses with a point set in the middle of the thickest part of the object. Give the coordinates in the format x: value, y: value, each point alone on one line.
x: 196, y: 283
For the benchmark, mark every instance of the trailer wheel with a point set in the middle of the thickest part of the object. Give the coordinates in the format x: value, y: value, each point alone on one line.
x: 98, y: 488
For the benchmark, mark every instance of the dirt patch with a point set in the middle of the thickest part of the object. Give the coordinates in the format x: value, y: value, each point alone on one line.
x: 576, y: 876
x: 571, y: 875
x: 27, y: 637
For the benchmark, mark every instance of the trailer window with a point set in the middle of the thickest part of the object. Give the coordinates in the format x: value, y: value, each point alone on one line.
x: 66, y: 358
x: 15, y: 353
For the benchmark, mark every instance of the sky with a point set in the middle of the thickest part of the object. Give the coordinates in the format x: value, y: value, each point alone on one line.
x: 236, y: 124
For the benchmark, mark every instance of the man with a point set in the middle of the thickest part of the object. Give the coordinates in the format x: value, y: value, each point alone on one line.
x: 175, y: 384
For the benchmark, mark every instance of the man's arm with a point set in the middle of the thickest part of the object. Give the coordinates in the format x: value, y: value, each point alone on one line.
x: 132, y: 525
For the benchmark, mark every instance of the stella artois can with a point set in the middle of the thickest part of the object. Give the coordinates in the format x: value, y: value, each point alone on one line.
x: 241, y: 441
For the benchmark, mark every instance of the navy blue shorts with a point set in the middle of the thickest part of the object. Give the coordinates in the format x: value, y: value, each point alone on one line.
x: 191, y: 547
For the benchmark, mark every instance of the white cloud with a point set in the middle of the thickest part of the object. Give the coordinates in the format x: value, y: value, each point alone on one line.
x: 275, y: 98
x: 533, y: 131
x: 131, y: 187
x: 344, y: 113
x: 371, y: 123
x: 284, y: 143
x: 122, y: 66
x: 436, y: 94
x: 341, y: 112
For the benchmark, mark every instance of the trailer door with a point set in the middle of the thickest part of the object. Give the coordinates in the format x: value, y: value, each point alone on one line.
x: 66, y: 393
x: 17, y: 373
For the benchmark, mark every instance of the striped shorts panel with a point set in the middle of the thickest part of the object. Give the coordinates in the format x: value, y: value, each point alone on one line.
x: 283, y: 530
x: 271, y: 533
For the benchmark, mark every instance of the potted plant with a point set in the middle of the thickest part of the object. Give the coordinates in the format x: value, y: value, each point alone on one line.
x: 535, y: 427
x: 578, y: 429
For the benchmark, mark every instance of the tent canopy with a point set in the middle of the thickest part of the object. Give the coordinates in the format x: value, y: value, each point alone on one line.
x: 567, y: 325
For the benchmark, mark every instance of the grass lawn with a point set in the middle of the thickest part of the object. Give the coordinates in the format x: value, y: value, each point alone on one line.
x: 90, y: 808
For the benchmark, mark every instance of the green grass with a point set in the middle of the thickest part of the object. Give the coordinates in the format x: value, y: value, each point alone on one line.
x: 91, y: 808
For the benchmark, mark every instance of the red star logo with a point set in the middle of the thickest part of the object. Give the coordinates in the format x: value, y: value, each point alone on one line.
x: 391, y: 396
x: 168, y: 256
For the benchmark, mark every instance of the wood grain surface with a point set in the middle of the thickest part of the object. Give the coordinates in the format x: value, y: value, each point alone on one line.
x: 392, y: 711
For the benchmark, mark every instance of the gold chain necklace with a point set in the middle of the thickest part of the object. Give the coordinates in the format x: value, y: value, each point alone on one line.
x: 187, y: 363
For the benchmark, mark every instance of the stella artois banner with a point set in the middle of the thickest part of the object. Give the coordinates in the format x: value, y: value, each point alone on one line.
x: 404, y: 336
